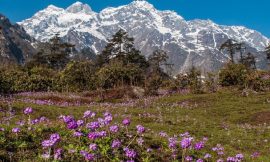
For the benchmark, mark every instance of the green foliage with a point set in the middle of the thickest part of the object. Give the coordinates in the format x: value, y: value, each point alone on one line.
x: 121, y: 48
x: 116, y: 74
x: 153, y: 83
x: 16, y: 79
x: 78, y: 76
x: 195, y: 81
x: 233, y: 75
x: 53, y: 54
x: 267, y: 51
x: 255, y: 81
x: 211, y: 82
x: 41, y: 79
x: 249, y: 61
x: 158, y: 58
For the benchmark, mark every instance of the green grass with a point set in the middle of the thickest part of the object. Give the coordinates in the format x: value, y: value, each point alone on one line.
x: 225, y: 117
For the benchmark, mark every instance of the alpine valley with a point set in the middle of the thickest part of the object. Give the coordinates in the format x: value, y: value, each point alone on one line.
x: 188, y: 43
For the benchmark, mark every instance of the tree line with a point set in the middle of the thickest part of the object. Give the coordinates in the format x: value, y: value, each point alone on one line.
x: 56, y: 67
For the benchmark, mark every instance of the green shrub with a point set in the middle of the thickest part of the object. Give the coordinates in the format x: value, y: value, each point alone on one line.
x: 195, y: 81
x: 233, y: 75
x: 41, y: 79
x: 153, y: 83
x: 116, y: 74
x: 78, y: 76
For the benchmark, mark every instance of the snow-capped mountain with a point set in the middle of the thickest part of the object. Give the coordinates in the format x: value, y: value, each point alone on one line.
x: 188, y: 43
x: 15, y: 43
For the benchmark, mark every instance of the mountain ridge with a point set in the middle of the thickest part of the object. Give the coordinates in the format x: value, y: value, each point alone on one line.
x: 193, y: 42
x: 15, y: 43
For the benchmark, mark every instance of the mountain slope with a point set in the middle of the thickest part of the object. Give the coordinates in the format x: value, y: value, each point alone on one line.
x: 188, y: 43
x: 15, y: 43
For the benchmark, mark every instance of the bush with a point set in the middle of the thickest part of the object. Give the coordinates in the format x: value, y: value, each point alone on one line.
x: 16, y: 79
x: 233, y: 75
x: 153, y: 83
x: 211, y: 82
x: 78, y: 76
x: 116, y: 74
x: 41, y: 79
x: 195, y: 81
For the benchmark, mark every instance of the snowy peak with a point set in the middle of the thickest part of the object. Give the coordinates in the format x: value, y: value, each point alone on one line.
x: 194, y: 42
x: 142, y: 4
x: 53, y: 8
x: 79, y: 7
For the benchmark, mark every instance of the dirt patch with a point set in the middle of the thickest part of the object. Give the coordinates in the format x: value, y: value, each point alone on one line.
x: 261, y: 118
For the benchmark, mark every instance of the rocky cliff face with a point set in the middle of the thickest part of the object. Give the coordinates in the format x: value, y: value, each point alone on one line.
x: 188, y: 43
x: 15, y: 43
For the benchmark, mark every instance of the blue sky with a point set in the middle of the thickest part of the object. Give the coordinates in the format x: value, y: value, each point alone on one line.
x: 253, y: 14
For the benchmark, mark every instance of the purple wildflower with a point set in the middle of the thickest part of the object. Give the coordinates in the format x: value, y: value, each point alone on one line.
x: 47, y: 143
x: 189, y: 158
x: 89, y: 157
x: 126, y: 122
x: 28, y: 111
x: 116, y: 143
x: 77, y: 134
x: 93, y: 147
x: 140, y: 129
x: 140, y: 141
x: 93, y: 135
x: 45, y: 156
x: 21, y: 123
x: 72, y: 124
x: 80, y: 123
x: 55, y: 137
x: 255, y: 155
x: 89, y: 114
x: 16, y: 130
x: 172, y: 142
x: 83, y: 153
x: 186, y: 134
x: 149, y: 150
x: 239, y: 156
x: 114, y: 129
x: 68, y: 119
x: 93, y: 125
x: 58, y: 154
x: 102, y: 134
x: 207, y: 156
x: 186, y: 142
x: 108, y: 119
x: 199, y: 145
x: 130, y: 153
x: 163, y: 134
x: 231, y: 159
x: 199, y: 160
x: 35, y: 121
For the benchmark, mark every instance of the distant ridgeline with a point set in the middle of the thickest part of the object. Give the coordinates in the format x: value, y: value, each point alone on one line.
x: 187, y: 43
x: 15, y: 43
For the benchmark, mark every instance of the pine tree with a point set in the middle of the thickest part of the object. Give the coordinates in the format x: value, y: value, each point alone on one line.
x: 230, y: 46
x: 121, y: 49
x: 240, y: 47
x: 267, y: 51
x: 157, y: 59
x: 249, y: 61
x: 54, y: 54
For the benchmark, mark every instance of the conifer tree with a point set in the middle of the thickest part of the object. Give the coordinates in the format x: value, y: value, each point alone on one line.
x: 249, y: 61
x: 54, y: 54
x: 121, y: 48
x: 157, y: 59
x: 267, y: 51
x: 230, y: 46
